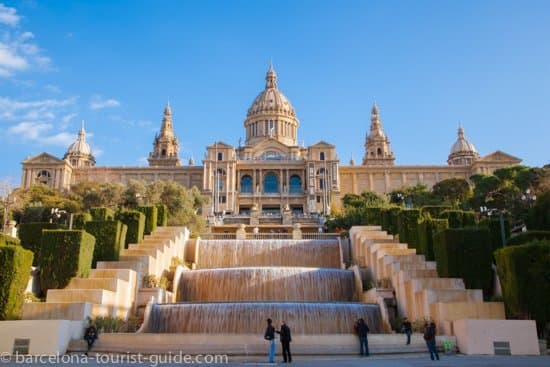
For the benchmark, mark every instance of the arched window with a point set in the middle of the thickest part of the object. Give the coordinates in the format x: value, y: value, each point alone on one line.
x: 295, y: 184
x: 271, y: 183
x: 322, y: 156
x: 163, y: 153
x: 44, y: 177
x: 379, y: 152
x: 246, y: 184
x: 321, y: 173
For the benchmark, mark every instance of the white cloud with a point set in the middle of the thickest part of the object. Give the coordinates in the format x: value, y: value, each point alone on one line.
x: 66, y: 120
x: 8, y: 16
x: 97, y: 102
x: 52, y: 88
x: 37, y: 132
x: 11, y: 109
x: 18, y: 50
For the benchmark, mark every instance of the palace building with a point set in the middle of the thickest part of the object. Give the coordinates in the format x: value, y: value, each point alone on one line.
x: 270, y: 174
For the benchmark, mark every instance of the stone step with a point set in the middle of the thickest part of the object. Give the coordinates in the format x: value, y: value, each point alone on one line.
x: 98, y: 296
x: 418, y: 284
x: 122, y: 265
x: 110, y: 284
x: 124, y: 274
x: 62, y: 310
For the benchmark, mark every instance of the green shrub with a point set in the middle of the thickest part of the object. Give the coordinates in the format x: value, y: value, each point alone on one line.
x: 391, y: 219
x: 14, y: 276
x: 30, y: 235
x: 528, y: 236
x: 465, y: 253
x: 373, y: 216
x: 408, y: 227
x: 9, y: 240
x: 99, y: 214
x: 455, y: 218
x: 65, y: 254
x: 468, y: 218
x: 150, y: 213
x: 135, y: 221
x: 123, y: 233
x: 80, y: 219
x: 524, y: 273
x: 34, y: 214
x: 107, y: 240
x: 426, y: 229
x: 433, y: 211
x: 493, y: 224
x: 162, y: 215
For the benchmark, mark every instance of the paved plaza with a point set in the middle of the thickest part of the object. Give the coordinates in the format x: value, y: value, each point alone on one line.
x: 413, y: 360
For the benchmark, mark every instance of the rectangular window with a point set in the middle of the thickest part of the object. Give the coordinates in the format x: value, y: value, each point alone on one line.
x: 318, y: 198
x: 220, y: 156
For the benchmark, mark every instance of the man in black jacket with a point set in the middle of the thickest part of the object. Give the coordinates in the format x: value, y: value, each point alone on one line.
x: 362, y: 329
x: 285, y: 342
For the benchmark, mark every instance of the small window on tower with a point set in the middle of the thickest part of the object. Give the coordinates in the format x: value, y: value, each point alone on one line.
x: 379, y: 152
x: 163, y: 153
x: 322, y: 156
x: 220, y: 156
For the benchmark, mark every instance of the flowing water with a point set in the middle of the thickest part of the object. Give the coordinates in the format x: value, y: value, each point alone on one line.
x: 267, y: 284
x: 238, y: 253
x: 241, y: 283
x: 250, y: 317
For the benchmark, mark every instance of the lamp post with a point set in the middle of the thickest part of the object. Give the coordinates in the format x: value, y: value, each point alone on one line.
x: 7, y: 201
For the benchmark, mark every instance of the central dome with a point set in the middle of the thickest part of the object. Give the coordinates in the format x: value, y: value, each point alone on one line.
x: 271, y: 100
x: 271, y: 116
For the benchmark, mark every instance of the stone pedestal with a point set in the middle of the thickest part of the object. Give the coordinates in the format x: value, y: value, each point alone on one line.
x: 241, y: 232
x: 297, y: 231
x: 254, y: 216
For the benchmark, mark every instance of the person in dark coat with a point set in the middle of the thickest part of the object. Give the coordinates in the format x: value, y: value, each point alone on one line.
x: 90, y: 335
x: 270, y: 336
x: 362, y: 329
x: 406, y: 328
x: 429, y: 337
x: 285, y: 342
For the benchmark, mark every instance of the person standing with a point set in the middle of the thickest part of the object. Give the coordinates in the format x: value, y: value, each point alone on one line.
x: 429, y: 337
x: 406, y: 328
x: 285, y: 342
x: 270, y: 337
x: 362, y: 329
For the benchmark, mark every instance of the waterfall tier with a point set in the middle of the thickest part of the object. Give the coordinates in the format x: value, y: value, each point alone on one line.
x: 267, y: 284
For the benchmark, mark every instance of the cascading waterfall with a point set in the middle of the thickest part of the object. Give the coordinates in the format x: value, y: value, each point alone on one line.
x: 249, y: 317
x: 241, y: 283
x: 238, y: 253
x: 267, y: 284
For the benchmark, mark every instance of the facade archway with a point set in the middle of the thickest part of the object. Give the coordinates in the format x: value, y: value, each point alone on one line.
x: 246, y: 184
x: 295, y: 184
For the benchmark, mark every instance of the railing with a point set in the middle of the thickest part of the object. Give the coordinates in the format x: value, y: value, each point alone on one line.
x: 218, y: 236
x: 319, y: 236
x: 268, y: 236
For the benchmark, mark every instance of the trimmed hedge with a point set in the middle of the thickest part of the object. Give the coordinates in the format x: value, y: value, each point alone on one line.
x: 434, y: 211
x: 99, y: 214
x: 123, y: 233
x: 6, y: 240
x: 528, y: 236
x: 65, y: 254
x: 80, y: 219
x: 374, y: 216
x: 468, y: 218
x: 30, y: 235
x: 426, y: 229
x: 151, y: 215
x: 34, y: 214
x: 108, y: 240
x: 459, y: 218
x: 524, y: 273
x: 496, y: 234
x: 162, y: 215
x: 135, y: 221
x: 14, y: 276
x: 390, y: 219
x: 465, y: 253
x: 408, y: 227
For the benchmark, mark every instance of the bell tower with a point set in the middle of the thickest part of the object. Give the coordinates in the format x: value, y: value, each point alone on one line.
x: 165, y: 146
x: 377, y: 144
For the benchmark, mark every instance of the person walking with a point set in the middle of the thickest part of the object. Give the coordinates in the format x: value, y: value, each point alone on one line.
x: 285, y: 342
x: 362, y: 329
x: 429, y: 337
x: 270, y: 337
x: 406, y: 328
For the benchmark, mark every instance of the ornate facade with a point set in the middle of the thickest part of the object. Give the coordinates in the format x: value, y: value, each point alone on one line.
x: 270, y: 174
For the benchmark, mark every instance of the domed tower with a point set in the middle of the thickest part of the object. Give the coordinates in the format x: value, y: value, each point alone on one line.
x: 271, y: 115
x: 377, y: 144
x: 79, y: 153
x: 463, y: 153
x: 165, y: 147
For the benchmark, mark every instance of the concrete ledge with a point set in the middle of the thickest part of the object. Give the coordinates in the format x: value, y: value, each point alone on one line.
x: 477, y: 336
x: 252, y: 344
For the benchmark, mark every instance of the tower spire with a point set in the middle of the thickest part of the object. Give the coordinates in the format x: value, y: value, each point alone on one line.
x: 271, y: 77
x: 377, y: 144
x: 166, y: 148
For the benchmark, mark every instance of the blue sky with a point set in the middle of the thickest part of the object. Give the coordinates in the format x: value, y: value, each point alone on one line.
x: 428, y: 65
